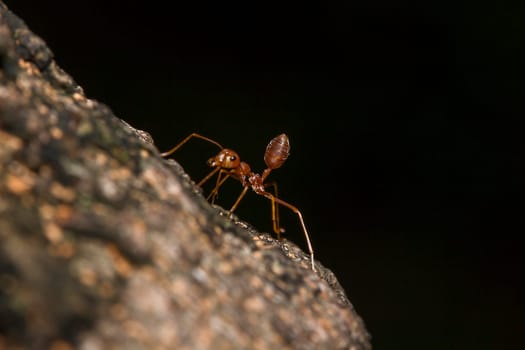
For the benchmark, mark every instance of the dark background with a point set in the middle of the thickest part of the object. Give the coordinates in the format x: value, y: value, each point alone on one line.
x: 407, y: 157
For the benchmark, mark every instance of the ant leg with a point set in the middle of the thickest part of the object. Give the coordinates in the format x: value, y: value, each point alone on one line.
x: 241, y: 196
x: 275, y: 210
x: 165, y: 154
x: 296, y: 211
x: 207, y: 177
x: 236, y: 204
x: 215, y: 192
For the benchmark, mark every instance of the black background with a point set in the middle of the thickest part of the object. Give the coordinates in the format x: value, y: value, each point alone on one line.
x: 407, y: 157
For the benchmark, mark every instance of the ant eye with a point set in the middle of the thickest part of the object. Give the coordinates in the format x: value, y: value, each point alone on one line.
x: 232, y: 158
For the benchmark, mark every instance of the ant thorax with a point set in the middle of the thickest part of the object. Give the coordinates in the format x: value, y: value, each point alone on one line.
x: 256, y: 182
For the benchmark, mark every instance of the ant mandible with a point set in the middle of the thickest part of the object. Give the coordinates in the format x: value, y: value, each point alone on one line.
x: 228, y: 163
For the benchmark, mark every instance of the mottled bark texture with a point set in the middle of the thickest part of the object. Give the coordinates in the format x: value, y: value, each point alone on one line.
x: 106, y: 245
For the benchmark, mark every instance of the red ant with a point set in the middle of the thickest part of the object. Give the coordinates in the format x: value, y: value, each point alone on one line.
x: 228, y: 163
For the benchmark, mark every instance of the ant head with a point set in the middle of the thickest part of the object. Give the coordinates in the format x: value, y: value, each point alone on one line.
x: 226, y: 159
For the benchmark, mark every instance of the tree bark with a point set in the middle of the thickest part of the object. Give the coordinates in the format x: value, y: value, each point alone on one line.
x: 106, y: 245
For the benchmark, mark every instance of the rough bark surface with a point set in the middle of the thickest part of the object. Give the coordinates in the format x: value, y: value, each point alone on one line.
x: 106, y: 245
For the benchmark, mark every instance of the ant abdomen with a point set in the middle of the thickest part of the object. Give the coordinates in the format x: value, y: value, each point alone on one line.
x: 277, y: 151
